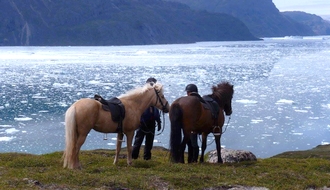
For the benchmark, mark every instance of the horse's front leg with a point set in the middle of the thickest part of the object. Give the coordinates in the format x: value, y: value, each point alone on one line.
x: 129, y: 137
x: 118, y: 146
x: 204, y: 138
x: 218, y: 144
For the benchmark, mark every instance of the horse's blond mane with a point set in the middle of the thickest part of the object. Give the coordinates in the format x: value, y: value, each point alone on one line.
x: 141, y: 90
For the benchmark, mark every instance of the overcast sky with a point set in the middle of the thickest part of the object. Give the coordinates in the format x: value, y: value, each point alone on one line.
x: 318, y: 7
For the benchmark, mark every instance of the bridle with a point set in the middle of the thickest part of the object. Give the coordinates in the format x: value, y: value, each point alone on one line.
x: 163, y: 108
x: 160, y: 100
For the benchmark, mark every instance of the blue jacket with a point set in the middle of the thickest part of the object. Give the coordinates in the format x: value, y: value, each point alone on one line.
x: 150, y: 115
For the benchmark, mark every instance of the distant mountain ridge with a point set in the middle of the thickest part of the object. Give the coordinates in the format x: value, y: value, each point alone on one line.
x: 316, y: 23
x: 140, y: 22
x: 261, y: 16
x: 112, y: 22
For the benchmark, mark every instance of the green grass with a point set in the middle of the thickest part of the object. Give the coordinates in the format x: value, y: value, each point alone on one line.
x: 294, y: 170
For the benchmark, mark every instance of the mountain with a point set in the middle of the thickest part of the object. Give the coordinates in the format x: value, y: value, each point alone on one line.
x: 261, y: 16
x: 112, y: 22
x: 316, y: 23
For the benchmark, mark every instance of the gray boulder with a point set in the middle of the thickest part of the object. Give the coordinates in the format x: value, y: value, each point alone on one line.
x: 231, y: 156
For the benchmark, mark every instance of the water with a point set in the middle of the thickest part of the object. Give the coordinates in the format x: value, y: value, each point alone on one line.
x: 281, y: 99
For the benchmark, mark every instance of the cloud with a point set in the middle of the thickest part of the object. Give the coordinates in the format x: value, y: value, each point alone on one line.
x: 319, y: 7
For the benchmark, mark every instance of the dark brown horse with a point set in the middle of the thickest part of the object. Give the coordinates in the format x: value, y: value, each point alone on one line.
x: 87, y: 114
x: 188, y: 114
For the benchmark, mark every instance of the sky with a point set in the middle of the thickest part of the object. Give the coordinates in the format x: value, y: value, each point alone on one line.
x: 318, y: 7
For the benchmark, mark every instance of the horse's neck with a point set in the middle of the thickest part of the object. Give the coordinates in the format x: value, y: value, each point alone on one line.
x: 219, y: 101
x: 139, y: 102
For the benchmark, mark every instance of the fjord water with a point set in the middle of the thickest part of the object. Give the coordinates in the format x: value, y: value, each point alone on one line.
x: 281, y: 99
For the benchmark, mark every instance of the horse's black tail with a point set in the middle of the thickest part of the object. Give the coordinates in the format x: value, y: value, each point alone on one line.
x: 176, y: 128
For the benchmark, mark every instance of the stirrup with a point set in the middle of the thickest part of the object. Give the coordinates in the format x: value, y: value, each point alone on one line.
x: 122, y: 140
x: 105, y: 137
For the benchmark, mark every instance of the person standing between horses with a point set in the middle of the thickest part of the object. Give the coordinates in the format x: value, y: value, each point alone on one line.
x: 146, y: 129
x: 192, y: 90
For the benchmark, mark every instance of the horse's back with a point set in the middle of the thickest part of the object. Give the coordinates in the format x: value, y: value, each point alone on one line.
x: 191, y: 110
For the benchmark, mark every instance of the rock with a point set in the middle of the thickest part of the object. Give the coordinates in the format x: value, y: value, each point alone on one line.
x: 231, y: 156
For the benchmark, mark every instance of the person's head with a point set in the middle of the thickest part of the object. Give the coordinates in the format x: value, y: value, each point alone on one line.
x: 151, y: 80
x: 191, y: 88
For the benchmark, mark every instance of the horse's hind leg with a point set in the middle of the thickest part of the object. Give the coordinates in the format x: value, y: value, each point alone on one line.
x: 129, y: 137
x: 184, y: 142
x: 118, y: 146
x: 204, y: 138
x: 80, y: 141
x: 190, y: 152
x: 218, y: 144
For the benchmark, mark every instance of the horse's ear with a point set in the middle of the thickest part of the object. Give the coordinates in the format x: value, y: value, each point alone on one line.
x: 158, y: 86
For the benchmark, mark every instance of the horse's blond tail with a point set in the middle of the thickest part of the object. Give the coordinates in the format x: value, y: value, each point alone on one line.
x: 69, y: 155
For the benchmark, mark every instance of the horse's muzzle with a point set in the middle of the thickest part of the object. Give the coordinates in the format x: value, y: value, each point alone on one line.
x: 166, y: 108
x: 229, y: 113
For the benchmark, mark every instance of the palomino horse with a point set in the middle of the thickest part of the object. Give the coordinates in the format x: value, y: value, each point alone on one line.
x: 188, y: 114
x: 87, y: 114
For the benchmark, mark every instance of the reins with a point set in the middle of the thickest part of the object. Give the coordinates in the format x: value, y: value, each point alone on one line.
x: 164, y: 107
x: 163, y: 127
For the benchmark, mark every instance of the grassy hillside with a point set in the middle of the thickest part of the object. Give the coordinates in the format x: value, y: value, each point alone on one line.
x: 304, y: 170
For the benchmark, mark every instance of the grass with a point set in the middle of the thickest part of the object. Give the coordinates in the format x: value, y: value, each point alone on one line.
x: 291, y: 170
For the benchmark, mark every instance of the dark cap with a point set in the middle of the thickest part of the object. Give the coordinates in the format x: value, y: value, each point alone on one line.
x: 151, y: 79
x: 191, y: 88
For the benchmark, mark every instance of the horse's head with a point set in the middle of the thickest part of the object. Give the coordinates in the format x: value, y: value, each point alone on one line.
x: 161, y: 102
x: 223, y: 93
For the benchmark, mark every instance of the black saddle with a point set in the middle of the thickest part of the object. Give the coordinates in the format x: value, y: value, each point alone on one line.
x: 212, y: 105
x: 116, y: 107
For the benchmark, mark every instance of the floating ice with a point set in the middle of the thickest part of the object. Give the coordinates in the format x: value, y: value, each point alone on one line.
x: 297, y: 133
x: 62, y: 85
x: 43, y: 111
x: 6, y: 138
x: 301, y: 111
x: 37, y: 96
x: 11, y: 131
x: 5, y: 126
x: 141, y: 52
x: 94, y: 82
x: 245, y: 101
x: 284, y: 101
x: 255, y: 121
x: 22, y: 118
x: 62, y: 104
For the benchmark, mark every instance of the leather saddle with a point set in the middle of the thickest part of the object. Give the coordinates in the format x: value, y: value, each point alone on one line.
x: 116, y: 107
x: 212, y: 105
x: 209, y: 103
